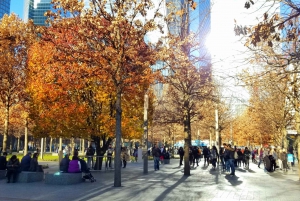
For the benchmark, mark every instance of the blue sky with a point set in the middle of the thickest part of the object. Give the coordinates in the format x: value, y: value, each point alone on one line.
x: 17, y: 6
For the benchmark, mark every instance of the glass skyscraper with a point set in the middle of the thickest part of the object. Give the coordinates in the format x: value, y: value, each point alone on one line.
x: 199, y: 23
x: 39, y: 11
x: 35, y: 10
x: 4, y: 7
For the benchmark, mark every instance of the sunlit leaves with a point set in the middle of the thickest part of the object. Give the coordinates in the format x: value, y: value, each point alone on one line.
x: 15, y: 39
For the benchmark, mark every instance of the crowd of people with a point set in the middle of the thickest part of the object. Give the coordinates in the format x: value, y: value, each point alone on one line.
x: 231, y: 158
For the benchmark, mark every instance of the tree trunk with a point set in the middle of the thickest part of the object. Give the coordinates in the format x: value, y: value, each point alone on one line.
x: 117, y: 177
x: 298, y: 158
x: 26, y: 137
x: 100, y: 151
x: 187, y: 140
x: 82, y: 146
x: 18, y: 145
x: 50, y: 145
x: 6, y: 124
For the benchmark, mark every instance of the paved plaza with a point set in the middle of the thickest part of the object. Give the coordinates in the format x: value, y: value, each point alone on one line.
x: 166, y: 184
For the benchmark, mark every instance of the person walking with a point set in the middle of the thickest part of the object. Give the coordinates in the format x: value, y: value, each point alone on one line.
x: 181, y: 154
x: 156, y: 154
x: 247, y: 154
x: 283, y: 157
x: 196, y: 156
x: 110, y: 152
x: 90, y: 152
x: 231, y: 158
x: 260, y: 156
x: 206, y: 154
x: 214, y: 155
x: 124, y: 156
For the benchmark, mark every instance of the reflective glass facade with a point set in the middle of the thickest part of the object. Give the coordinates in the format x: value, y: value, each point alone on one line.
x: 39, y: 11
x: 199, y: 24
x: 4, y: 7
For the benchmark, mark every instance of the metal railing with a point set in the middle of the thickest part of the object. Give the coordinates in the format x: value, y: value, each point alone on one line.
x: 96, y: 162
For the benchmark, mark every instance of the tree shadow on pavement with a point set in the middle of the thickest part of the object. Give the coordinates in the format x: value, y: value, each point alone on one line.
x: 216, y: 173
x: 171, y: 188
x: 233, y: 180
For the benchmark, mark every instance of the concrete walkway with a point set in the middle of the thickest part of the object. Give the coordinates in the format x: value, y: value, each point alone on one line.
x: 166, y: 184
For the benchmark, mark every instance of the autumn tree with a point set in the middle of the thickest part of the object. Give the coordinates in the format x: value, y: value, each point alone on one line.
x: 187, y: 86
x: 110, y: 41
x: 15, y: 40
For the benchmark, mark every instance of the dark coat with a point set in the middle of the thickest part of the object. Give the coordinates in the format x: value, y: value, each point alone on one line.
x: 34, y: 165
x: 90, y: 151
x: 64, y: 164
x: 181, y: 151
x: 156, y: 152
x: 13, y: 165
x: 3, y: 163
x: 25, y: 163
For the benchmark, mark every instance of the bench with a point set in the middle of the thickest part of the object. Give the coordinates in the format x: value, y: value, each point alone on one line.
x: 28, y: 177
x: 2, y: 174
x: 60, y: 178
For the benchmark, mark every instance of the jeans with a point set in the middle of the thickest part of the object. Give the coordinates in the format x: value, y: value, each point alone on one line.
x: 156, y: 163
x: 260, y: 160
x: 227, y: 165
x: 90, y: 162
x: 232, y: 166
x: 247, y: 162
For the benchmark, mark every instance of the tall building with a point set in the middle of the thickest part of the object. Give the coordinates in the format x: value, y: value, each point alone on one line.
x: 4, y: 7
x: 39, y: 11
x: 199, y: 23
x: 35, y: 10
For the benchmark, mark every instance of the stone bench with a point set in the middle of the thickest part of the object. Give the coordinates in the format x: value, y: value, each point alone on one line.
x: 2, y: 174
x: 60, y: 178
x: 28, y: 177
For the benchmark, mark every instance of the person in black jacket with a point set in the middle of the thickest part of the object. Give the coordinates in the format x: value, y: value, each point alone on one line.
x: 181, y: 154
x: 156, y: 154
x: 64, y: 164
x: 3, y: 161
x: 25, y: 162
x: 206, y: 155
x: 34, y: 165
x: 90, y: 152
x: 13, y: 166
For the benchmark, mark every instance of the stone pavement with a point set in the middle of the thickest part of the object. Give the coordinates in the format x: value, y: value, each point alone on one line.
x: 168, y: 183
